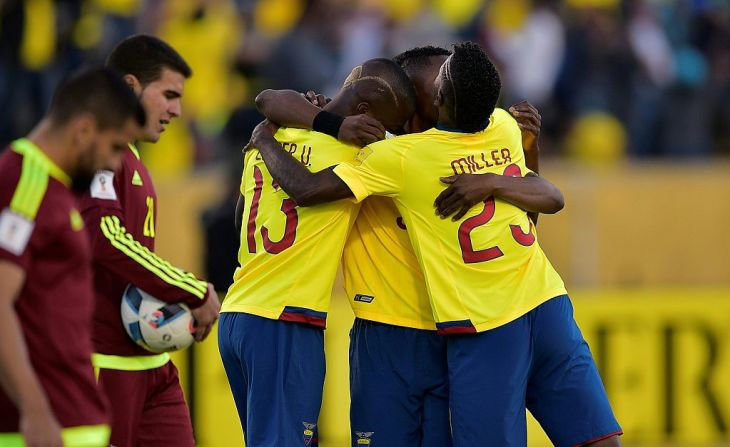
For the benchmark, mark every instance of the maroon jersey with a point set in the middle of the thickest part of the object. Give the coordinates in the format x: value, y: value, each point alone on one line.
x: 120, y: 214
x: 42, y: 232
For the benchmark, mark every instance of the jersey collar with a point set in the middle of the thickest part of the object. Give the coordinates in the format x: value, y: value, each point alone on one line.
x: 25, y: 147
x: 134, y: 150
x: 449, y: 129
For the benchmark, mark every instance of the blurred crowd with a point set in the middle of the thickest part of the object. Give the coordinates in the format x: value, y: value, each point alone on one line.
x: 612, y: 78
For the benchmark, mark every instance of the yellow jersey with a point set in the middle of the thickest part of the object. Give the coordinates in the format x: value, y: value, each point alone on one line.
x: 382, y: 277
x: 289, y: 255
x: 484, y: 270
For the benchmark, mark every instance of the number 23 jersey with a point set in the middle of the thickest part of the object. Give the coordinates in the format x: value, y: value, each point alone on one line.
x: 484, y: 270
x: 289, y: 255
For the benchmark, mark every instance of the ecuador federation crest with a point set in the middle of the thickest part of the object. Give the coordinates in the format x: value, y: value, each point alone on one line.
x: 364, y: 437
x: 309, y: 432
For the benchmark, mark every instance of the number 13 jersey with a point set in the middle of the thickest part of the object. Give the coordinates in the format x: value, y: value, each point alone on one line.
x: 484, y: 270
x: 289, y: 255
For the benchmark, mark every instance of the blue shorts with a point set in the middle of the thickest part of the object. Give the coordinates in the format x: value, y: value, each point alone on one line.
x: 398, y: 387
x: 540, y: 361
x: 276, y: 372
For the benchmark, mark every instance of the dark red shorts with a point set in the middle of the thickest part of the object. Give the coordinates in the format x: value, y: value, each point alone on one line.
x: 147, y: 407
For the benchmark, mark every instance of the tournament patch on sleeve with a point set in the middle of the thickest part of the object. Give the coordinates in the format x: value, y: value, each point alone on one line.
x: 15, y: 231
x: 102, y: 187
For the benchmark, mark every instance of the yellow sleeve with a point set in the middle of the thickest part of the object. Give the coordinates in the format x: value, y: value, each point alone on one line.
x: 377, y: 170
x: 247, y: 156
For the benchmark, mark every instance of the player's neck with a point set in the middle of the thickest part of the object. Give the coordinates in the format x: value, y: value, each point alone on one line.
x: 445, y: 121
x: 53, y: 144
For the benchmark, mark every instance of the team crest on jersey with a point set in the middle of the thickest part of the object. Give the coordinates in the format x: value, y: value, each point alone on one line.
x: 136, y: 179
x: 362, y: 155
x: 102, y: 187
x: 364, y: 437
x: 308, y: 432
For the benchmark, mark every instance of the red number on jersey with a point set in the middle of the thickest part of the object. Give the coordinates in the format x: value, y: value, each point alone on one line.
x: 288, y: 207
x: 468, y: 254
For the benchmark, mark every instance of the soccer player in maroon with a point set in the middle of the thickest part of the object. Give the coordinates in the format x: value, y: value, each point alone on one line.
x: 146, y: 399
x: 48, y: 394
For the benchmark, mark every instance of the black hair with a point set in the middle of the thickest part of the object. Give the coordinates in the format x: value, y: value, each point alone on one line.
x: 470, y: 86
x: 399, y: 94
x: 145, y: 57
x: 415, y: 58
x: 99, y: 91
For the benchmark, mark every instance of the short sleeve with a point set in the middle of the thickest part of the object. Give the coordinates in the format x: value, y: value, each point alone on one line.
x: 16, y: 232
x: 377, y: 170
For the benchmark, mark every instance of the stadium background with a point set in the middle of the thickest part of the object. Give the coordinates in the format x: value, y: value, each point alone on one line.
x: 635, y: 98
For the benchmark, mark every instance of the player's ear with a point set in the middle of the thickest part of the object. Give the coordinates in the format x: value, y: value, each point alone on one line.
x: 363, y: 107
x: 133, y: 83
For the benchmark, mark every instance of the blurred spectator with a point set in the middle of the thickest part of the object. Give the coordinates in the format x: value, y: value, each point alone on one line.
x: 658, y: 71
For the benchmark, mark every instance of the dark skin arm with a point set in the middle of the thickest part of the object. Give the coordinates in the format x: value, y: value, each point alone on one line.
x: 306, y: 188
x: 292, y: 109
x: 532, y: 193
x: 529, y: 120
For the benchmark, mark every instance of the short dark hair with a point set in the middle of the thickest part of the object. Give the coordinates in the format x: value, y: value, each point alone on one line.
x: 471, y: 87
x: 145, y: 57
x: 394, y: 88
x: 99, y: 91
x: 415, y: 58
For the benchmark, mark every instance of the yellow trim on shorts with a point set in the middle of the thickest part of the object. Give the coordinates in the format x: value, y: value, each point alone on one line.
x: 81, y: 436
x: 132, y: 363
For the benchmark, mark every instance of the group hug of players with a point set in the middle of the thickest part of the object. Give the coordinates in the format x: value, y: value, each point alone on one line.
x: 461, y: 321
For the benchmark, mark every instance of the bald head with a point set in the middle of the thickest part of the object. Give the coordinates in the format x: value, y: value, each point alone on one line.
x: 382, y: 89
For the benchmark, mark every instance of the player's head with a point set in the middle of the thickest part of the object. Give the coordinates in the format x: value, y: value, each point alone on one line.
x: 468, y: 87
x: 99, y: 115
x: 422, y: 65
x: 381, y: 89
x: 157, y: 74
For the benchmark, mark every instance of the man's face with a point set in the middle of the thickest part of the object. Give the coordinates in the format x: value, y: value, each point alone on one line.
x: 162, y: 102
x: 104, y: 150
x: 425, y: 83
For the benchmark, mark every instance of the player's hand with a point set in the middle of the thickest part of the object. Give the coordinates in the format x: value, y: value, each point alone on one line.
x: 206, y: 314
x: 40, y: 428
x: 463, y: 192
x: 361, y: 130
x: 316, y: 98
x: 265, y: 130
x: 529, y: 120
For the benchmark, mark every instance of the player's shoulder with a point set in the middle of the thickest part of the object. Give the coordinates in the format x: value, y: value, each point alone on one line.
x: 503, y: 120
x: 11, y: 164
x: 295, y: 134
x: 402, y: 142
x: 28, y: 177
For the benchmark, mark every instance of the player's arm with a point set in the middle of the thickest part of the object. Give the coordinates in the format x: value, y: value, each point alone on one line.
x: 118, y: 251
x: 529, y: 121
x: 292, y: 109
x: 305, y: 187
x: 37, y: 422
x: 531, y: 193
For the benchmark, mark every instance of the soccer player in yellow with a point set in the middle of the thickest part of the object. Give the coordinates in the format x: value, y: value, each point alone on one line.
x: 271, y: 329
x: 512, y: 340
x: 386, y: 286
